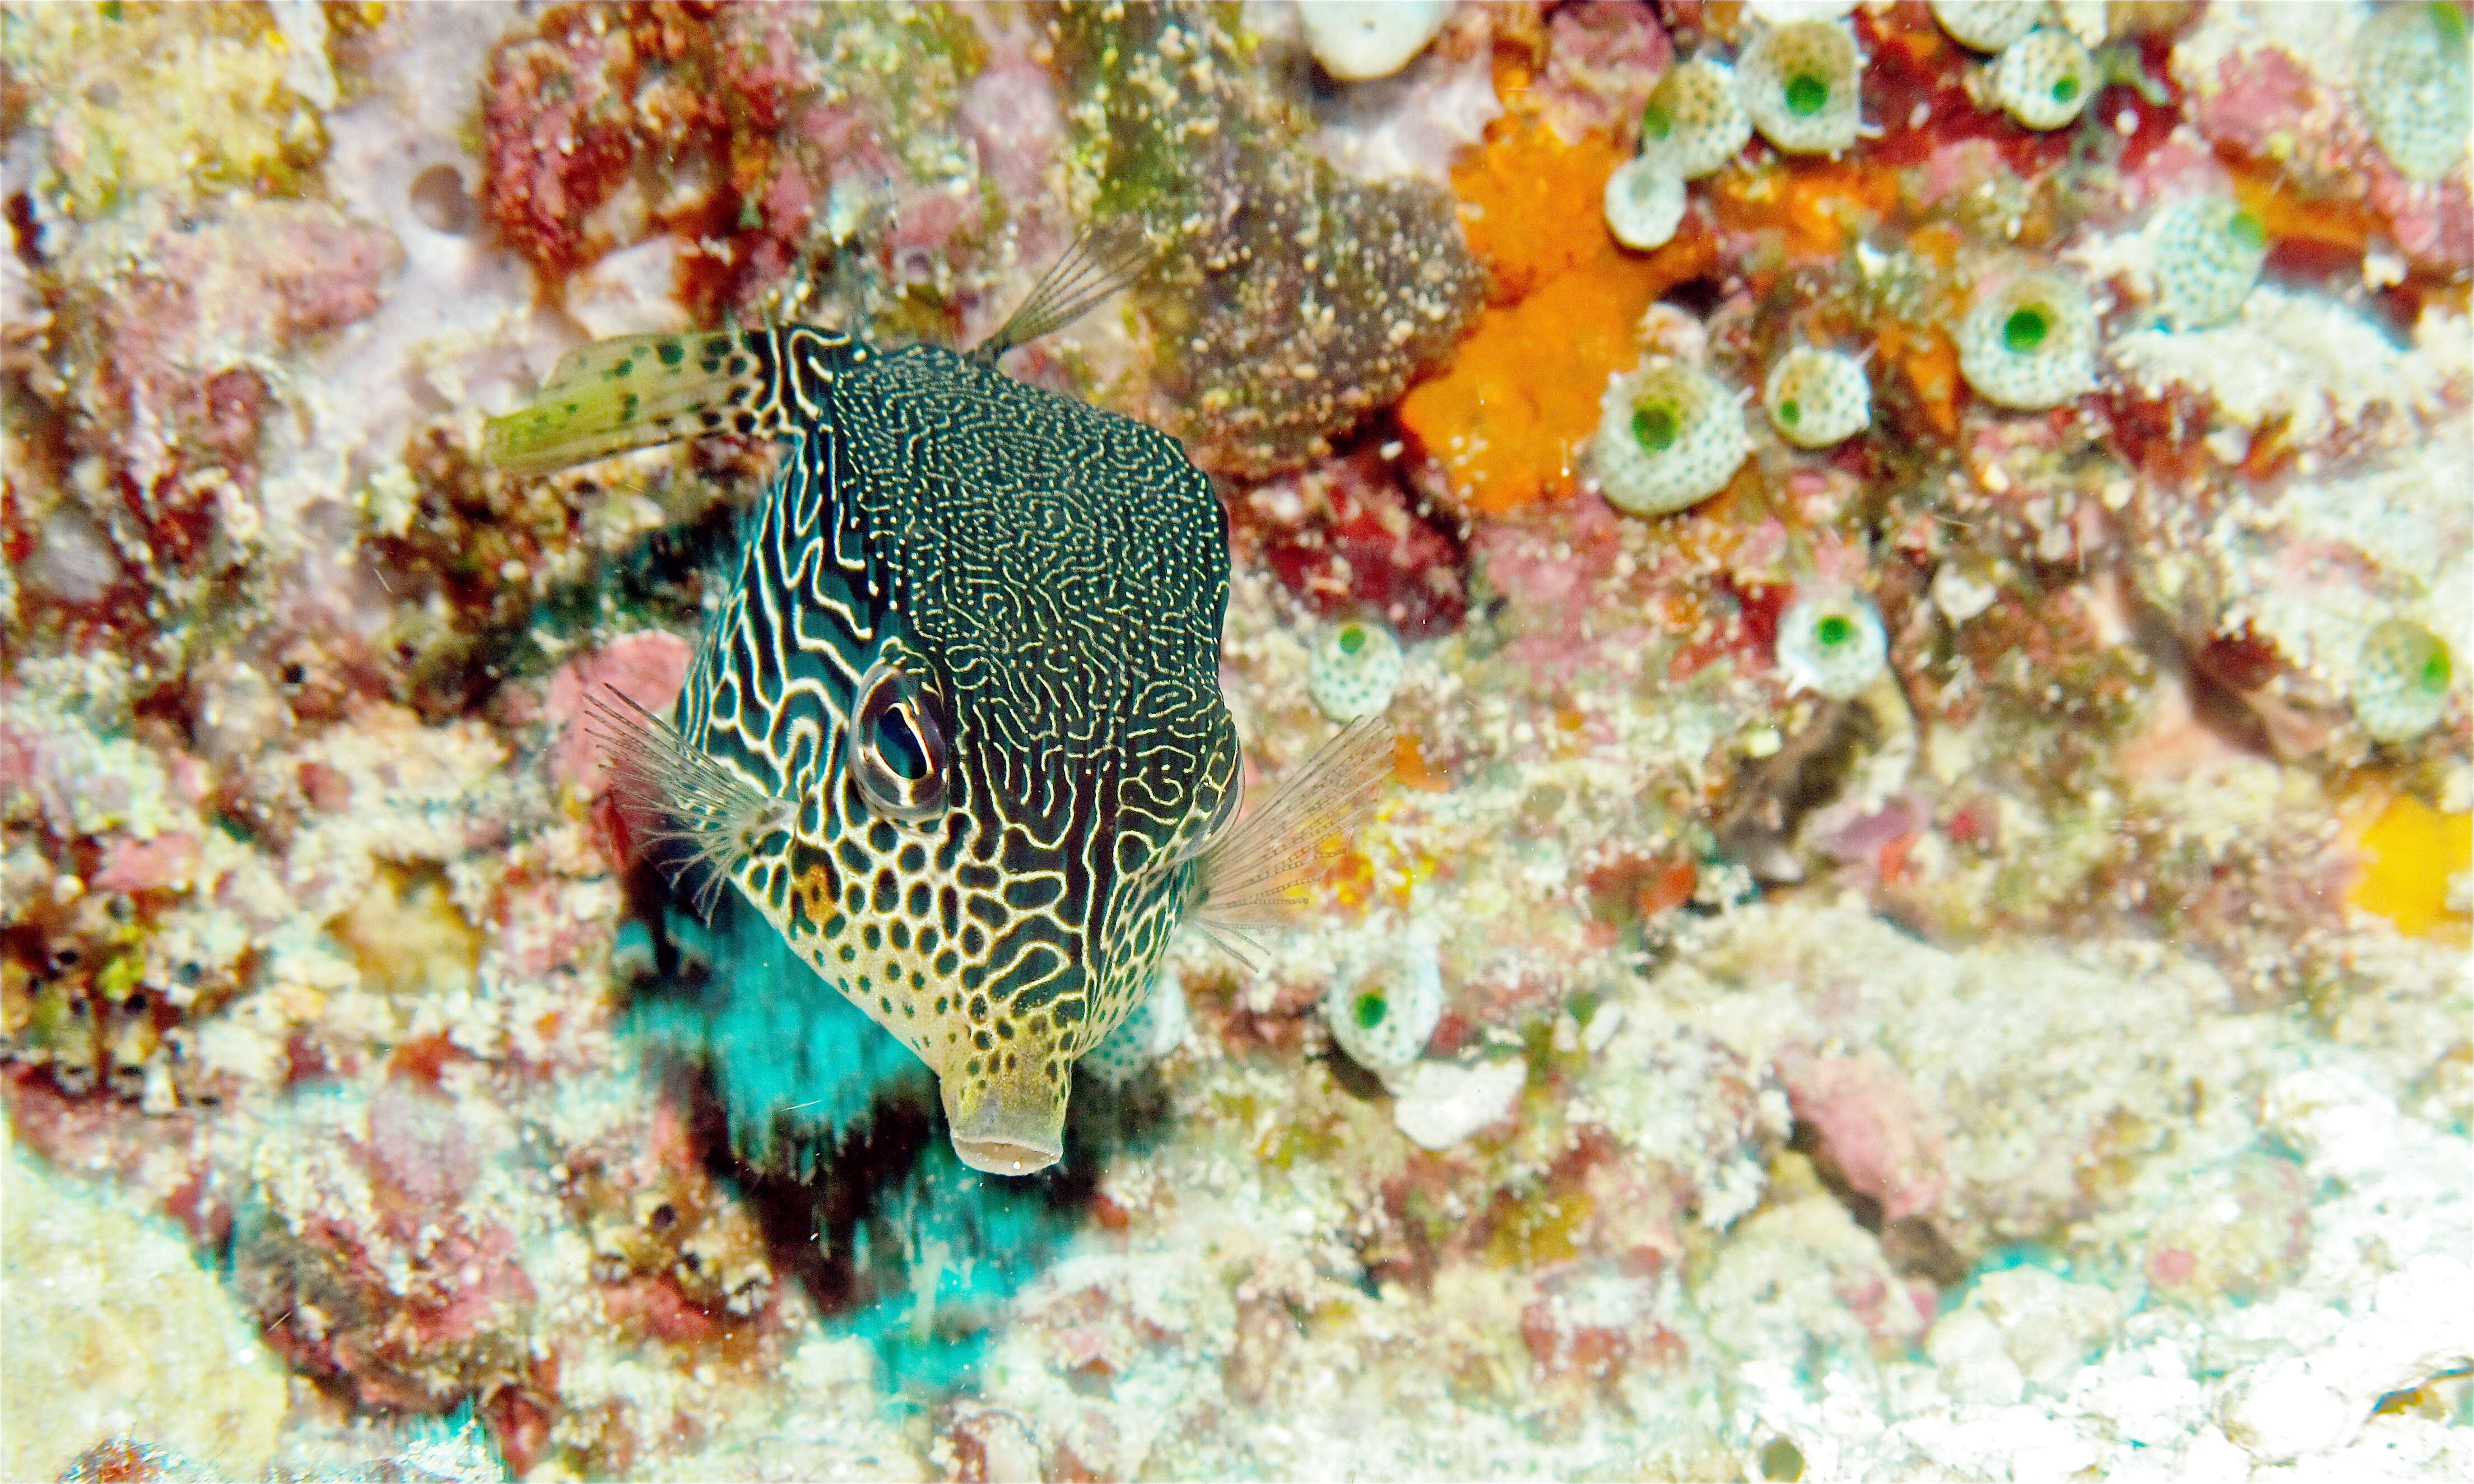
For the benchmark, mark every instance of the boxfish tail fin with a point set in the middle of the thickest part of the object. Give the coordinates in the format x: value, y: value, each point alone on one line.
x: 1254, y: 873
x: 701, y: 820
x: 1106, y: 258
x: 636, y: 391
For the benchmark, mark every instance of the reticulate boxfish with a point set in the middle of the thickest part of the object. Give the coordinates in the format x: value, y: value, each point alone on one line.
x: 955, y: 728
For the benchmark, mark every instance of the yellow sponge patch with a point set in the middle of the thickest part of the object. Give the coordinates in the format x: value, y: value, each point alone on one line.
x: 2409, y: 853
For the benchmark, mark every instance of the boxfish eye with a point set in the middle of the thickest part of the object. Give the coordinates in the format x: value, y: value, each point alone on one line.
x: 897, y: 754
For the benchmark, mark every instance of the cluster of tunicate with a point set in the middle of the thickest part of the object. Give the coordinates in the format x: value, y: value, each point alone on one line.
x: 2208, y: 256
x: 1832, y: 643
x: 1353, y: 669
x: 1695, y: 120
x: 1156, y: 1028
x: 2412, y: 77
x: 1668, y: 436
x: 2029, y: 342
x: 1817, y: 397
x: 1987, y: 25
x: 1803, y: 87
x: 1692, y: 125
x: 1383, y: 1006
x: 2045, y: 79
x: 2401, y: 683
x: 1644, y: 203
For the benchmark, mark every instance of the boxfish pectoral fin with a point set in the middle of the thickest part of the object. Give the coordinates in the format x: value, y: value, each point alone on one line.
x: 634, y: 392
x: 701, y: 819
x: 1255, y: 872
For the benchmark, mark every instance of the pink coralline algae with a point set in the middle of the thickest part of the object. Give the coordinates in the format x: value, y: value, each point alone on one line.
x: 1603, y: 58
x: 645, y: 668
x: 561, y: 128
x: 409, y: 1303
x: 167, y: 318
x: 1869, y: 1130
x: 683, y: 1263
x: 165, y: 861
x: 1345, y: 537
x: 759, y: 137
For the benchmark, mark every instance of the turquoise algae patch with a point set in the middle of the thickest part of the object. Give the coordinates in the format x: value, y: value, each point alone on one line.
x: 807, y: 1078
x: 799, y: 1067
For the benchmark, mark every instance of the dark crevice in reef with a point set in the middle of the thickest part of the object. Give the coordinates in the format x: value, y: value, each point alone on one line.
x: 1914, y: 1247
x: 1772, y: 795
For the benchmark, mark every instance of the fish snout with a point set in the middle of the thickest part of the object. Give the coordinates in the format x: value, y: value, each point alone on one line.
x: 1007, y: 1122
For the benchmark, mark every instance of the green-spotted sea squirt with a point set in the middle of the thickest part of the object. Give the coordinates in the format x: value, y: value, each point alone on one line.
x: 2208, y: 253
x: 1987, y: 25
x: 1384, y: 1005
x: 2045, y: 79
x: 2402, y: 680
x: 1669, y: 435
x: 1832, y: 643
x: 1695, y: 121
x: 1354, y: 667
x: 1803, y: 86
x: 1818, y: 396
x: 2028, y: 342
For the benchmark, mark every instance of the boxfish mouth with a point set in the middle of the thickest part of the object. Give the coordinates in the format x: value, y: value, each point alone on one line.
x: 1012, y: 1123
x: 1003, y: 1156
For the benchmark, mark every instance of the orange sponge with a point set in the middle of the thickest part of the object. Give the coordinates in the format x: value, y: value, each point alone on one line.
x: 1520, y: 398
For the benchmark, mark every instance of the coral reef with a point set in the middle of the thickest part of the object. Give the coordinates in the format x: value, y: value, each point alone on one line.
x: 1917, y: 929
x: 170, y: 1354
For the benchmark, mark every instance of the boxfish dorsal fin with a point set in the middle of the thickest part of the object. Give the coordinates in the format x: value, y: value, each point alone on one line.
x: 1106, y: 258
x: 636, y: 391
